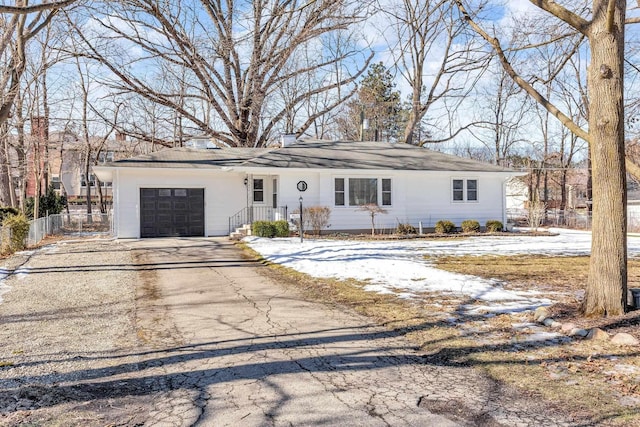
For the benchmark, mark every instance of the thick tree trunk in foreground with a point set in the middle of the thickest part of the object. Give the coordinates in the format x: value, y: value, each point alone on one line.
x: 606, y: 291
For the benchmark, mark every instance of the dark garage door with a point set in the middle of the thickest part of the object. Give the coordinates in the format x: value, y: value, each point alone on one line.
x: 171, y: 212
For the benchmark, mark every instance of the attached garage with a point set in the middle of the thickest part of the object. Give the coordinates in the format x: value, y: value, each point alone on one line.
x: 172, y: 212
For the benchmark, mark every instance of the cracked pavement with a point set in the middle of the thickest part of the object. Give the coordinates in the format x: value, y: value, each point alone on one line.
x: 225, y: 346
x: 187, y: 332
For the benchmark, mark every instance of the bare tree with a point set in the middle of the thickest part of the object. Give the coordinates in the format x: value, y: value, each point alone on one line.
x: 20, y: 23
x: 604, y: 28
x: 502, y: 114
x: 424, y: 33
x: 372, y: 209
x: 234, y: 57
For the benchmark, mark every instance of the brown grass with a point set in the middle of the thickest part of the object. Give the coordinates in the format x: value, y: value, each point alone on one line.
x: 542, y: 272
x: 582, y: 377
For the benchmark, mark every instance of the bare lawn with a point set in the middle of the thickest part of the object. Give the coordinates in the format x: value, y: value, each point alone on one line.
x: 593, y: 379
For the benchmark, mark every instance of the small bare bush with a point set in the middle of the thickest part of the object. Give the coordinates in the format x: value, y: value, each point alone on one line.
x: 405, y: 229
x: 372, y: 209
x: 317, y: 217
x: 537, y: 209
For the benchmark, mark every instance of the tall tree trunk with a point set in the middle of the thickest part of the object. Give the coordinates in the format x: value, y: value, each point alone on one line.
x: 606, y: 292
x: 102, y: 204
x: 412, y: 122
x: 5, y: 167
x: 563, y: 190
x: 87, y: 173
x: 21, y: 152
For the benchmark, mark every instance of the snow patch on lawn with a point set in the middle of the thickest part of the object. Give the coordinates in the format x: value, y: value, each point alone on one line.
x: 400, y: 267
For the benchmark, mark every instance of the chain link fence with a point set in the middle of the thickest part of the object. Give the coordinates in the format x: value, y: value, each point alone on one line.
x: 76, y: 223
x: 575, y: 219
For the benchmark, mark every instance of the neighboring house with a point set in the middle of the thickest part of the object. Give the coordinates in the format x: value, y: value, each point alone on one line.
x: 209, y: 192
x: 58, y: 158
x: 517, y: 196
x: 67, y: 159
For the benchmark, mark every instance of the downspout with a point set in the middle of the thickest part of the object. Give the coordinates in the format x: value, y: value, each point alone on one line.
x: 504, y: 203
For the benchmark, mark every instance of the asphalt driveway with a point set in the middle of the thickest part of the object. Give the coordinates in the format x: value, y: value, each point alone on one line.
x: 188, y: 332
x: 230, y: 347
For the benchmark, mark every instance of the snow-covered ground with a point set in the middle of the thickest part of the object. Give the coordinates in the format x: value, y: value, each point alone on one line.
x: 400, y: 267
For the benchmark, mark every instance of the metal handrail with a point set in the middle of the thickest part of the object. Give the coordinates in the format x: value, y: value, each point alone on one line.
x: 250, y: 214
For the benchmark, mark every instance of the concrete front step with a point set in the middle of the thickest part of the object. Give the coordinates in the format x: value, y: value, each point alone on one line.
x: 244, y: 230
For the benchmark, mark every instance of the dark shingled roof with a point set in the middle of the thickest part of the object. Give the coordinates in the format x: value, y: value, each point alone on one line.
x: 191, y: 158
x: 314, y: 155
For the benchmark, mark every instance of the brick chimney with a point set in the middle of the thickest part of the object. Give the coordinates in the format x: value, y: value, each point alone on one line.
x: 120, y: 136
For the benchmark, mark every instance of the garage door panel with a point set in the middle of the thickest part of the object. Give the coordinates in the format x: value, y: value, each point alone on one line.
x: 168, y: 212
x: 164, y: 205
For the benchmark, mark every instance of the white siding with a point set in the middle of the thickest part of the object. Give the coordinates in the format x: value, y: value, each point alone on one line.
x: 224, y: 195
x: 416, y: 197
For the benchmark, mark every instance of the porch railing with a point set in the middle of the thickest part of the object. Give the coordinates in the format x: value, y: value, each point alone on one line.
x: 250, y: 214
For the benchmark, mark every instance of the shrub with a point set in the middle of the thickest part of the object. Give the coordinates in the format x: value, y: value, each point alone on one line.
x: 470, y: 226
x: 281, y: 228
x: 406, y: 229
x: 317, y: 217
x: 263, y: 229
x: 493, y: 226
x: 270, y: 228
x: 445, y: 227
x: 537, y: 211
x: 6, y: 211
x: 19, y: 226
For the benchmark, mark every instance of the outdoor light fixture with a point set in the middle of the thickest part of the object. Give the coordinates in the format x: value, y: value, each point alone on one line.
x: 301, y: 229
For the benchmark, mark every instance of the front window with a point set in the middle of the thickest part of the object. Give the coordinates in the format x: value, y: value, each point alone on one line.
x: 386, y: 192
x: 105, y: 156
x: 472, y: 190
x: 274, y: 195
x: 83, y: 180
x: 363, y: 191
x: 258, y: 190
x: 339, y: 191
x: 458, y: 190
x: 464, y: 190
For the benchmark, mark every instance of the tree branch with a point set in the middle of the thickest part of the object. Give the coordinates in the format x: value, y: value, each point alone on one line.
x: 24, y: 10
x: 527, y: 87
x: 563, y: 14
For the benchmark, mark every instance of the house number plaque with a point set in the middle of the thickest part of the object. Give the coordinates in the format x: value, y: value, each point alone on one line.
x: 302, y: 186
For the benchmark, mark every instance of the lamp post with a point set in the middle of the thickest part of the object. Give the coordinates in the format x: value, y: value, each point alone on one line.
x: 301, y: 228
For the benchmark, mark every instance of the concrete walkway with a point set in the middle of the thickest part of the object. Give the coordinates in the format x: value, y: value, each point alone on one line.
x: 228, y: 347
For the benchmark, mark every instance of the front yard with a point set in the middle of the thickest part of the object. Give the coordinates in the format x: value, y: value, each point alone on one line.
x: 469, y: 301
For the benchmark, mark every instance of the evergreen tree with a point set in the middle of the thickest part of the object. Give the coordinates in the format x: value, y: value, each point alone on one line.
x: 376, y: 107
x: 50, y: 203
